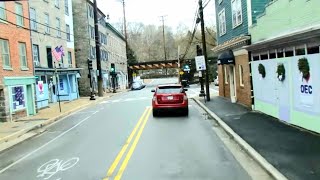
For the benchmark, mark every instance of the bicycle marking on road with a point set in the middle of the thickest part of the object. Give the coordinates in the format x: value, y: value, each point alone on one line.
x: 52, y: 167
x: 44, y: 145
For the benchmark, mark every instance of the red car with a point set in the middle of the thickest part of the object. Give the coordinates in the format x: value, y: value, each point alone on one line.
x: 170, y: 97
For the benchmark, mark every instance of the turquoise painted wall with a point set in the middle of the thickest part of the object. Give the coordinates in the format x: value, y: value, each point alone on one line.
x: 284, y: 16
x: 22, y: 81
x: 230, y: 31
x: 69, y: 91
x: 288, y: 100
x: 42, y: 98
x: 258, y: 7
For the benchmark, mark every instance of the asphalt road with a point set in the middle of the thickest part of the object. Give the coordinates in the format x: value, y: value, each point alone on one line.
x: 119, y: 139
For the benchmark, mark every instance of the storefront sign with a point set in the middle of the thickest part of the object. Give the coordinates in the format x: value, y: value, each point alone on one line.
x: 40, y: 88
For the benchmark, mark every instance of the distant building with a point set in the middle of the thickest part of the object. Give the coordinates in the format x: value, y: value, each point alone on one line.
x: 234, y: 17
x: 285, y: 62
x: 52, y: 26
x: 112, y: 48
x: 17, y: 83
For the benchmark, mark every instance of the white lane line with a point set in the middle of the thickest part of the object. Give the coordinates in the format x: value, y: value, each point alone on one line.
x: 44, y: 145
x: 95, y: 112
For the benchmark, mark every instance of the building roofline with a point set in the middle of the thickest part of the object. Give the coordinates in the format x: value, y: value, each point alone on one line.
x: 120, y: 35
x: 89, y: 1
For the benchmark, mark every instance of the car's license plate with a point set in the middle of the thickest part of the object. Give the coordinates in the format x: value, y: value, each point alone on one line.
x: 170, y: 97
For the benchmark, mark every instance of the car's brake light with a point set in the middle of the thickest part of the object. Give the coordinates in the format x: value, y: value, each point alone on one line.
x: 185, y: 97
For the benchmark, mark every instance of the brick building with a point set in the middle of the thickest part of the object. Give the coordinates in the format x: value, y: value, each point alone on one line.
x: 234, y: 17
x: 17, y: 83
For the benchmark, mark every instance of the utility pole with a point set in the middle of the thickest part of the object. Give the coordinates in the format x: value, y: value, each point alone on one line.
x: 178, y: 64
x: 164, y: 42
x: 125, y: 26
x: 96, y: 30
x: 126, y: 40
x: 204, y: 50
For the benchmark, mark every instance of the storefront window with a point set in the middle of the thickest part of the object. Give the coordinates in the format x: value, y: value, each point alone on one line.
x: 241, y: 75
x: 226, y: 75
x: 61, y: 84
x: 289, y: 52
x: 272, y: 54
x: 18, y: 98
x: 300, y: 50
x: 313, y: 48
x: 280, y: 53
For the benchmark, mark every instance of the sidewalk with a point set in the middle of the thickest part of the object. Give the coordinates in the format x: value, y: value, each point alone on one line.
x: 10, y: 131
x: 293, y: 152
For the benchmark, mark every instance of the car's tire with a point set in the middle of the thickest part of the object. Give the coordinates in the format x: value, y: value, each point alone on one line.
x: 155, y: 113
x: 186, y: 112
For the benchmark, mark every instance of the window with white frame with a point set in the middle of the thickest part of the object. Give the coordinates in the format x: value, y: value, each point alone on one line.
x: 33, y: 19
x: 93, y: 52
x: 68, y: 32
x: 222, y: 22
x: 90, y: 11
x: 69, y: 59
x: 241, y: 75
x: 3, y: 15
x: 19, y: 14
x: 23, y: 55
x: 35, y: 54
x: 226, y: 75
x: 92, y: 32
x: 66, y: 7
x: 58, y: 25
x: 236, y: 13
x: 18, y: 98
x: 47, y: 23
x: 5, y: 53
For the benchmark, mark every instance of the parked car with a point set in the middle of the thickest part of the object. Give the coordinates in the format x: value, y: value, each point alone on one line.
x: 169, y: 97
x: 216, y: 81
x: 185, y: 83
x: 137, y: 85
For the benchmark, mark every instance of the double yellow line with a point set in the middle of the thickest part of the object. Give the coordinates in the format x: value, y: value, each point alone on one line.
x: 141, y: 124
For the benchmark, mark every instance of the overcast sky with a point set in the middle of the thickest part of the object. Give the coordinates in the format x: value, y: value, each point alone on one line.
x: 149, y: 11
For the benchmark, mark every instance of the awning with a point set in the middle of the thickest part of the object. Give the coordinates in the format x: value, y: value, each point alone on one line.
x: 226, y: 57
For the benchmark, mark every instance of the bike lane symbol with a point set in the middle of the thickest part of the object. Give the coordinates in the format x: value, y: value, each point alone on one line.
x: 52, y: 167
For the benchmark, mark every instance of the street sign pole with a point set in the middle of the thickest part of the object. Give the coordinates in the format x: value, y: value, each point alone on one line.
x: 57, y: 84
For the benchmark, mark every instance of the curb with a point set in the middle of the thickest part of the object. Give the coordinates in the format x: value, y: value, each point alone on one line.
x: 243, y: 144
x: 52, y: 120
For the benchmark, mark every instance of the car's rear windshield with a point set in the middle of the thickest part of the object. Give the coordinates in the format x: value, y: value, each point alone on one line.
x: 169, y: 89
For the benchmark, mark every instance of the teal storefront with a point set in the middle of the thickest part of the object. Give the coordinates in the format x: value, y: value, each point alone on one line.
x: 20, y: 95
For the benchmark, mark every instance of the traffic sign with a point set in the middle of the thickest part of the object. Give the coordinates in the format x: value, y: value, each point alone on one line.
x: 186, y: 67
x: 200, y: 63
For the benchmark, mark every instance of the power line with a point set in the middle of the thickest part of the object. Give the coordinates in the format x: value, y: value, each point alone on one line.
x: 36, y: 22
x: 28, y: 29
x: 193, y: 33
x: 206, y: 4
